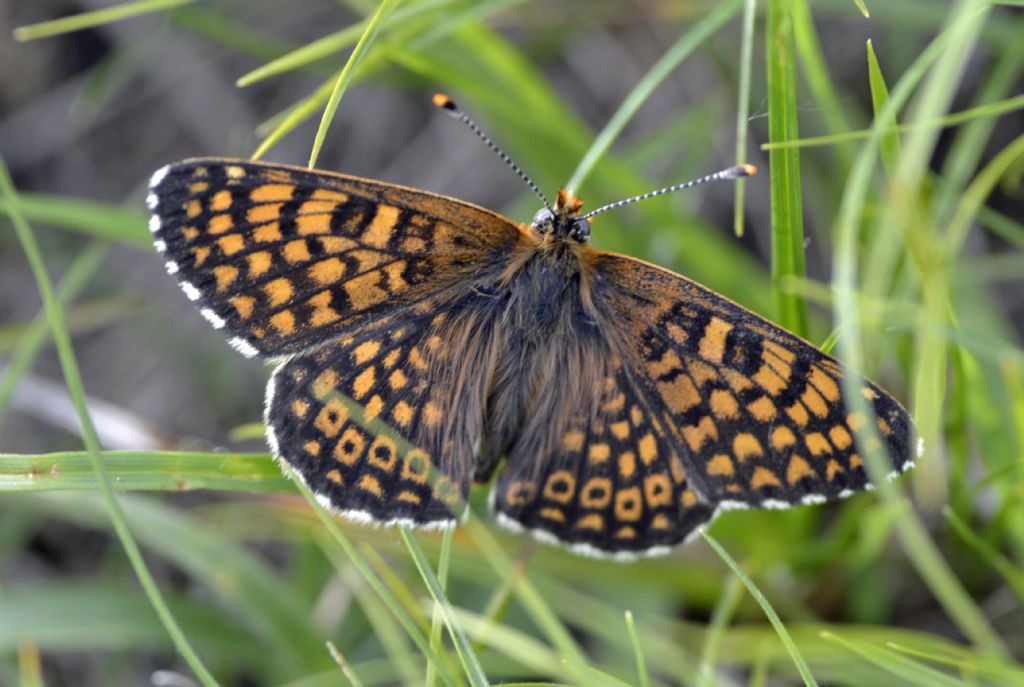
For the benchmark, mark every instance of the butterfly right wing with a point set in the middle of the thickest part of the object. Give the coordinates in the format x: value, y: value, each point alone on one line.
x: 284, y: 258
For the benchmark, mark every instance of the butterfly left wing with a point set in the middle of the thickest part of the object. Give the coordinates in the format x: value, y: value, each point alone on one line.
x: 757, y: 413
x: 284, y: 258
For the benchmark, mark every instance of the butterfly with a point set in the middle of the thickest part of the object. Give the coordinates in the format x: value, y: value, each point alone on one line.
x: 621, y: 406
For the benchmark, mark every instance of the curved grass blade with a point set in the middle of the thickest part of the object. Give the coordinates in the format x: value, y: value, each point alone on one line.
x: 87, y: 20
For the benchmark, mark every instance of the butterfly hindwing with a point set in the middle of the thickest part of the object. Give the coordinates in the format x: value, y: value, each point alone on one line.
x: 615, y: 486
x: 283, y: 258
x: 759, y: 414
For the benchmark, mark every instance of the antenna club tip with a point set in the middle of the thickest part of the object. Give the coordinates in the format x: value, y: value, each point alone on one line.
x: 748, y: 170
x: 444, y: 102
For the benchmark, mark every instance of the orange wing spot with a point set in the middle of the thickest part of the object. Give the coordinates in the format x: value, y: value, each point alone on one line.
x: 593, y: 521
x: 284, y: 322
x: 231, y: 244
x: 814, y: 402
x: 669, y: 362
x: 856, y: 421
x: 317, y: 206
x: 366, y: 260
x: 657, y: 490
x: 396, y: 282
x: 363, y: 382
x: 413, y: 244
x: 627, y: 464
x: 620, y: 430
x: 259, y: 263
x: 869, y: 393
x: 190, y: 233
x: 365, y: 351
x: 328, y: 194
x: 278, y: 291
x: 720, y: 466
x: 629, y: 504
x: 763, y: 477
x: 382, y: 454
x: 391, y: 358
x: 433, y: 343
x: 335, y: 244
x: 675, y: 466
x: 817, y: 444
x: 680, y: 394
x: 855, y: 461
x: 573, y: 441
x: 312, y: 224
x: 884, y: 427
x: 648, y: 448
x: 220, y: 224
x: 431, y: 415
x: 374, y: 406
x: 397, y: 379
x: 244, y: 305
x: 325, y: 384
x: 598, y: 453
x: 712, y: 344
x: 193, y: 209
x: 636, y: 416
x: 840, y: 437
x: 363, y: 292
x: 737, y: 381
x: 300, y: 407
x: 225, y: 276
x: 746, y: 445
x: 824, y: 384
x: 234, y: 172
x: 724, y: 405
x: 677, y: 333
x: 799, y: 469
x: 267, y: 233
x: 552, y: 514
x: 701, y: 372
x: 335, y: 476
x: 331, y: 418
x: 261, y: 214
x: 416, y: 466
x: 272, y: 192
x: 402, y: 412
x: 520, y: 493
x: 798, y: 413
x: 695, y: 435
x: 296, y: 251
x: 350, y: 446
x: 769, y: 380
x: 323, y: 313
x: 221, y: 201
x: 626, y: 532
x: 779, y: 351
x: 198, y: 187
x: 596, y: 493
x: 370, y: 484
x: 409, y: 497
x: 313, y: 449
x: 416, y: 359
x: 381, y: 227
x: 688, y: 498
x: 762, y: 409
x: 199, y: 255
x: 560, y: 486
x: 832, y: 469
x: 782, y: 437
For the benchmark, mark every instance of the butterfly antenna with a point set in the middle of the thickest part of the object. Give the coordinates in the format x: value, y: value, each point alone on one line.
x: 449, y: 106
x: 731, y: 173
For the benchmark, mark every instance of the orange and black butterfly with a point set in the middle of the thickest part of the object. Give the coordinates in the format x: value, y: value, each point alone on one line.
x: 622, y: 405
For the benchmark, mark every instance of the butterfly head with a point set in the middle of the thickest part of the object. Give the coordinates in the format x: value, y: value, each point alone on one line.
x: 563, y: 221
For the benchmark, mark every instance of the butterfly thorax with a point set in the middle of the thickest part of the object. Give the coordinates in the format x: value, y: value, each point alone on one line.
x: 563, y: 221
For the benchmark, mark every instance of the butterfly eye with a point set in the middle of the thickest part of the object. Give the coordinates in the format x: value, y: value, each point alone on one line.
x: 544, y: 219
x: 580, y: 229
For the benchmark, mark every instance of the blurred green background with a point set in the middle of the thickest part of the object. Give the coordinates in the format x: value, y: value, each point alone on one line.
x: 898, y: 249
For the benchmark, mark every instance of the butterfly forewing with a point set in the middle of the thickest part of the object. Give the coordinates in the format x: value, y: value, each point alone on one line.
x: 283, y: 258
x: 757, y: 413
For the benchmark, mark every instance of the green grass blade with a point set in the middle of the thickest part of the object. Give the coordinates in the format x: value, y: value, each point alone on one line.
x: 724, y: 609
x: 443, y: 563
x: 743, y: 110
x: 87, y: 20
x: 679, y: 51
x: 889, y: 146
x: 341, y: 85
x: 902, y: 668
x: 470, y: 663
x: 638, y: 651
x: 1013, y: 576
x: 773, y: 617
x: 100, y: 220
x: 787, y: 207
x: 76, y: 390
